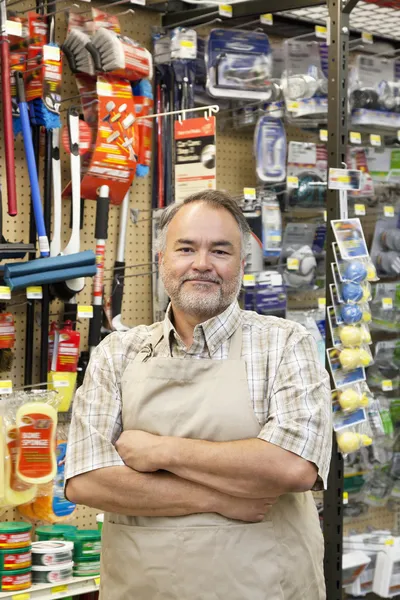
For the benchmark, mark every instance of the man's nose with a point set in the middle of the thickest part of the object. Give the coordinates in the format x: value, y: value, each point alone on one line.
x: 202, y: 261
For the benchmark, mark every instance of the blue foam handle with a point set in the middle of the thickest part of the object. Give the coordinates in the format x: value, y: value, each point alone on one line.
x: 33, y: 176
x: 55, y: 263
x: 46, y: 277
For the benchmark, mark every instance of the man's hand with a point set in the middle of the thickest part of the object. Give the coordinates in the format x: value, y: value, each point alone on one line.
x: 245, y: 509
x: 142, y: 451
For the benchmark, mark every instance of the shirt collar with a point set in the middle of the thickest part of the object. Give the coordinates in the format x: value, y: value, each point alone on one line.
x: 212, y: 333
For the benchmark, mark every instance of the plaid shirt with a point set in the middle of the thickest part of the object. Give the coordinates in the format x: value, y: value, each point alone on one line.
x: 288, y: 387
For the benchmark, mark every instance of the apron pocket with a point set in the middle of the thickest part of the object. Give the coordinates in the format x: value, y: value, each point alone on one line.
x: 138, y: 563
x: 235, y: 562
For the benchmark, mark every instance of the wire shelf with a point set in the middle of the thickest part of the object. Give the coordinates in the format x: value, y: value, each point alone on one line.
x: 379, y: 17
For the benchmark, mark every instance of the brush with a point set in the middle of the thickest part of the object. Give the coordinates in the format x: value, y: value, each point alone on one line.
x: 122, y: 56
x: 81, y: 55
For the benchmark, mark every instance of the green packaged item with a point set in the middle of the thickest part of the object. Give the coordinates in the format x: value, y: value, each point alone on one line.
x: 15, y: 559
x: 53, y: 574
x: 87, y: 542
x: 15, y: 581
x: 86, y: 567
x: 53, y: 532
x: 15, y: 535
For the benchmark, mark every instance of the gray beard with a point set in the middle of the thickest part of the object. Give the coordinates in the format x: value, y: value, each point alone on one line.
x: 203, y: 305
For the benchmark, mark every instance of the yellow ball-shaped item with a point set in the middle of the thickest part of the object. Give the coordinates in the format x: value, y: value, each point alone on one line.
x: 364, y: 401
x: 365, y: 358
x: 371, y: 272
x: 349, y: 399
x: 350, y: 358
x: 366, y: 317
x: 366, y: 336
x: 365, y: 439
x: 350, y: 335
x: 348, y: 442
x: 366, y: 292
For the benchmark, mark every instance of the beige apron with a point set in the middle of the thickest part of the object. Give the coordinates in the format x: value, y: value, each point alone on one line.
x: 206, y: 556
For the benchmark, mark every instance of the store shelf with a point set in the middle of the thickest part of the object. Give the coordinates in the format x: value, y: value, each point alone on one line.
x: 70, y: 587
x: 379, y: 19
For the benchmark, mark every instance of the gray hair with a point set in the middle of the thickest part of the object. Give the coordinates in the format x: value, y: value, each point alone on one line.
x: 214, y: 199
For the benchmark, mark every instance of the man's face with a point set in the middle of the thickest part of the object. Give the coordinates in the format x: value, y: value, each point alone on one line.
x: 201, y: 267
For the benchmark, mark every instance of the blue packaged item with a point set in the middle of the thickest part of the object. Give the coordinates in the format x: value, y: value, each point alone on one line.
x: 352, y: 292
x: 270, y: 149
x: 351, y: 314
x: 239, y: 64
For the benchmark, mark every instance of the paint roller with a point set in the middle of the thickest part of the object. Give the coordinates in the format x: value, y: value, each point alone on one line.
x: 101, y: 227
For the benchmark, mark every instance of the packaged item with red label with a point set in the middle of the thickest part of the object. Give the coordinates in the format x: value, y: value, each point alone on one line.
x: 66, y: 349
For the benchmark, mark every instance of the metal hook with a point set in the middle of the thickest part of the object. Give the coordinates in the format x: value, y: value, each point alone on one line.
x: 187, y: 21
x: 96, y: 101
x: 125, y: 12
x: 109, y: 5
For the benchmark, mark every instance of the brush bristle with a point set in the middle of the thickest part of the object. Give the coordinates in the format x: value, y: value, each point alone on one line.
x: 41, y: 115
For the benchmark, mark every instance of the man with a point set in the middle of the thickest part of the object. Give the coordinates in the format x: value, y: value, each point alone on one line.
x: 201, y: 436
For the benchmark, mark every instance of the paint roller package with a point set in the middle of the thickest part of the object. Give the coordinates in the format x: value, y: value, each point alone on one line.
x: 239, y: 64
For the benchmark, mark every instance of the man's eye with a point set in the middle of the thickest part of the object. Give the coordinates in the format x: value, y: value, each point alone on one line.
x: 220, y: 252
x: 185, y: 250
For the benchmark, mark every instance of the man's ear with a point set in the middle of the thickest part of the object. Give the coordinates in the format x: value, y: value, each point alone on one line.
x: 160, y: 257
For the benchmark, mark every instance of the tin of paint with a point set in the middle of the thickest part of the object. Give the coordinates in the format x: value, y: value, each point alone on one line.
x: 13, y: 581
x: 87, y: 542
x: 53, y: 552
x: 54, y: 574
x: 15, y: 535
x: 53, y: 532
x: 12, y: 560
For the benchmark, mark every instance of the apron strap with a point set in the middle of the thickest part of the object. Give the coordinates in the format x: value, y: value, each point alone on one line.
x: 235, y: 347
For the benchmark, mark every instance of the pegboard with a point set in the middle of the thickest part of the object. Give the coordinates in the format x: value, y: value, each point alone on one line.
x: 374, y: 518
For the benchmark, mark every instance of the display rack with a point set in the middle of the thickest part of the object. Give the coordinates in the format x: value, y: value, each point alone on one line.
x: 70, y: 587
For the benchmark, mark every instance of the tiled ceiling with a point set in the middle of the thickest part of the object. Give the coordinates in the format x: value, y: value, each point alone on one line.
x: 381, y: 19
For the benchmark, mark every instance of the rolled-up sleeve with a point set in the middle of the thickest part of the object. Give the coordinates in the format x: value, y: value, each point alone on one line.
x: 299, y: 413
x: 96, y: 420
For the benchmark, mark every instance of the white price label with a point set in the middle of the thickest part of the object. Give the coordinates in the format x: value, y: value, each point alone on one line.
x: 248, y: 280
x: 359, y: 210
x: 267, y: 19
x: 249, y: 193
x: 355, y: 137
x: 293, y: 264
x: 6, y: 386
x: 375, y: 140
x: 387, y: 385
x: 5, y: 292
x: 387, y: 303
x: 34, y: 292
x: 85, y: 312
x: 323, y: 135
x: 388, y: 211
x: 225, y: 10
x: 14, y: 28
x: 292, y: 182
x: 51, y: 53
x: 59, y: 382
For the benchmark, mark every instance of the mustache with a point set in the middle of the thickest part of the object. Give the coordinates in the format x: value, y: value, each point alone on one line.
x: 201, y: 278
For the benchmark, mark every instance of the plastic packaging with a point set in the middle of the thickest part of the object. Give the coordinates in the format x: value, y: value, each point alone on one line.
x: 86, y: 567
x: 45, y: 554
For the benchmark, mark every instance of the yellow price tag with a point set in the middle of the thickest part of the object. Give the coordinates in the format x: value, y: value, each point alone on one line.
x: 325, y: 216
x: 248, y: 280
x: 387, y: 303
x: 85, y: 312
x: 5, y: 292
x: 6, y: 386
x: 293, y: 105
x: 367, y: 37
x: 344, y: 179
x: 58, y: 589
x: 345, y: 497
x: 387, y: 385
x: 323, y: 135
x: 267, y: 19
x: 293, y: 264
x: 359, y: 209
x: 25, y: 596
x: 389, y: 542
x: 292, y: 182
x: 249, y: 193
x: 388, y: 211
x: 321, y: 303
x: 355, y: 137
x: 225, y: 10
x: 97, y: 580
x: 375, y: 139
x: 321, y: 32
x: 187, y: 44
x: 34, y: 292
